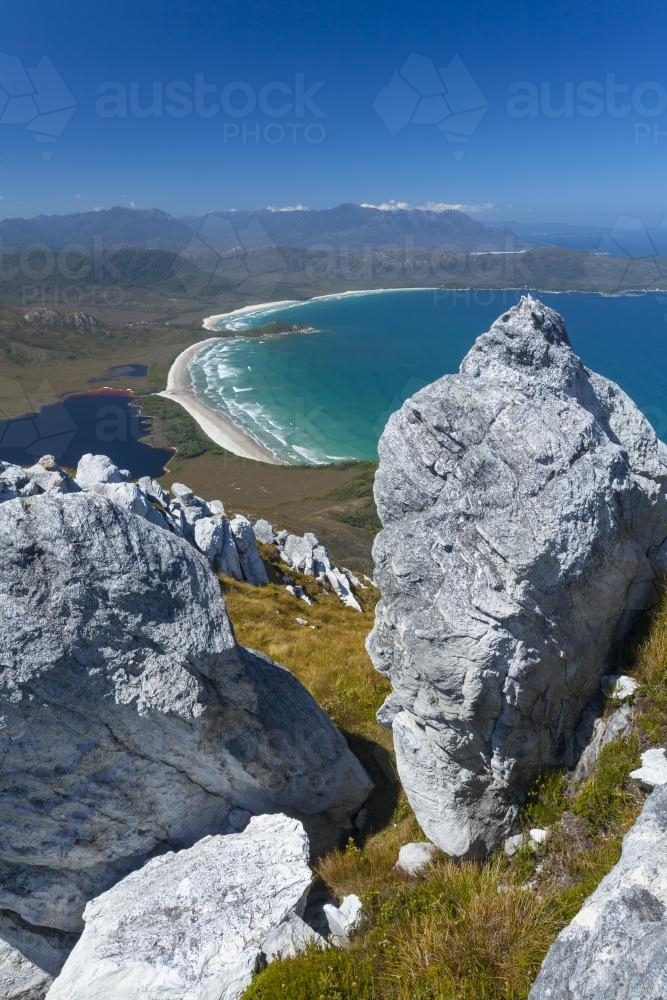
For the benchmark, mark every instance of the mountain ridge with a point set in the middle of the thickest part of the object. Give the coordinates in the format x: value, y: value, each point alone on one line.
x: 345, y: 226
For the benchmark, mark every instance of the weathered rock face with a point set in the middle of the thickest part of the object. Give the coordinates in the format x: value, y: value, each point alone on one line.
x: 524, y: 513
x: 191, y: 925
x: 615, y: 946
x: 252, y: 566
x: 131, y: 718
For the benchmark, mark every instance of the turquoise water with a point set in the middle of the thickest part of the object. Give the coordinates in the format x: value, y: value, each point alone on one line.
x: 326, y: 397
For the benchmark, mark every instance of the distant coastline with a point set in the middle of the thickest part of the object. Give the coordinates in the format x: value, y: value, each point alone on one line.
x: 232, y: 318
x: 217, y: 425
x: 235, y: 317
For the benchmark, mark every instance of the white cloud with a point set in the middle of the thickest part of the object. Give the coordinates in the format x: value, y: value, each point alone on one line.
x: 428, y: 206
x: 287, y: 208
x: 78, y: 196
x: 388, y: 206
x: 132, y: 205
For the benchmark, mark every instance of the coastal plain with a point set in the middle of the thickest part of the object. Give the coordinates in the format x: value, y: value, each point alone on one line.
x: 145, y: 316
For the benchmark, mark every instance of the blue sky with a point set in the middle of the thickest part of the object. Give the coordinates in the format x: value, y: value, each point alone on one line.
x: 309, y: 75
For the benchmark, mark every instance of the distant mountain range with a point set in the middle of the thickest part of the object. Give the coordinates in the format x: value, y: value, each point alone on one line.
x: 346, y: 227
x: 115, y: 227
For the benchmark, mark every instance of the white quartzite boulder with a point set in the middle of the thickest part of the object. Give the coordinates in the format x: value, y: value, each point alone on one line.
x: 264, y: 531
x: 620, y: 687
x: 605, y: 730
x: 191, y: 925
x: 95, y: 469
x: 615, y: 946
x: 291, y: 938
x: 524, y: 513
x: 131, y: 720
x: 343, y: 919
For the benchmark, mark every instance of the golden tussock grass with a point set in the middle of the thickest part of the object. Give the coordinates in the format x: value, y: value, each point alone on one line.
x: 461, y: 931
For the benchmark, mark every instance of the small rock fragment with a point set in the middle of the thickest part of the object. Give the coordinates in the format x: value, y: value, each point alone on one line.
x: 653, y: 771
x: 414, y: 858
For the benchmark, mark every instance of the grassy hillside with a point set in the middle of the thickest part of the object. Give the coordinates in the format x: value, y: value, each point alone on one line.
x: 465, y: 931
x: 329, y: 659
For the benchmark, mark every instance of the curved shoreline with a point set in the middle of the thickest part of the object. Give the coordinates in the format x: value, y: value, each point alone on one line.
x: 210, y: 322
x: 220, y: 429
x: 212, y: 422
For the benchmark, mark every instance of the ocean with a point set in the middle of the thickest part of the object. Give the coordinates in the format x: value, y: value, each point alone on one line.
x: 325, y: 397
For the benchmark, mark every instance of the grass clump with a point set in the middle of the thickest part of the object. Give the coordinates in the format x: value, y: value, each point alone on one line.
x: 605, y: 798
x: 546, y: 800
x: 465, y: 931
x: 651, y: 672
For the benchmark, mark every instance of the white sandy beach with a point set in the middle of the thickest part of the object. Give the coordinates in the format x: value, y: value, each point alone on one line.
x: 218, y: 427
x: 214, y: 424
x: 212, y: 323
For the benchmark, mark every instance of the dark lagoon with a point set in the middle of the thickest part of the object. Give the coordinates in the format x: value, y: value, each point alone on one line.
x: 103, y: 422
x: 119, y: 372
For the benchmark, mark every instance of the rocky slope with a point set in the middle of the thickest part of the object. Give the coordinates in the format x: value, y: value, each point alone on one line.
x: 132, y: 720
x: 524, y: 517
x: 304, y: 554
x: 229, y: 544
x: 615, y: 946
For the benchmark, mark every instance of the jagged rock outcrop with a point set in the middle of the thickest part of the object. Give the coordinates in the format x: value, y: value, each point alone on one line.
x: 252, y: 567
x: 192, y: 925
x: 304, y: 554
x: 524, y: 518
x: 615, y: 946
x: 132, y: 721
x: 230, y: 547
x: 73, y: 322
x: 44, y: 477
